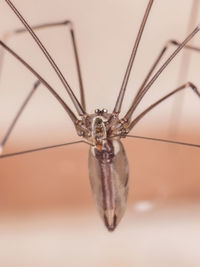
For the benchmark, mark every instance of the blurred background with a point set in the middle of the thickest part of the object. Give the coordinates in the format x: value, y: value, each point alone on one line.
x: 47, y: 214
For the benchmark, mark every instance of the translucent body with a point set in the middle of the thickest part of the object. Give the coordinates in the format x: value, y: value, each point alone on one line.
x: 109, y: 178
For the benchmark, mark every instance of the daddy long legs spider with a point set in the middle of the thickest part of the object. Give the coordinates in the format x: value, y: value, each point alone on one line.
x: 102, y: 130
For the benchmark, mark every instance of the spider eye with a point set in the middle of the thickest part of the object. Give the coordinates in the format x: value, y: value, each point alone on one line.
x: 97, y: 111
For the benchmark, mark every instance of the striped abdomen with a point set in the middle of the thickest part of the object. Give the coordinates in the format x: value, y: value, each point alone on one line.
x: 109, y: 176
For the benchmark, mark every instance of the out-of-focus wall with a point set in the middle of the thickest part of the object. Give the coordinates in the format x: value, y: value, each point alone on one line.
x: 105, y: 31
x: 47, y: 214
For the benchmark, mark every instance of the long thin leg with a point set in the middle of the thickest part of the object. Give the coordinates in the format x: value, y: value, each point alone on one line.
x: 43, y: 148
x: 166, y: 63
x: 177, y: 106
x: 157, y: 61
x: 139, y: 117
x: 59, y: 99
x: 131, y: 60
x: 21, y: 109
x: 74, y: 44
x: 2, y: 51
x: 163, y: 140
x: 75, y: 101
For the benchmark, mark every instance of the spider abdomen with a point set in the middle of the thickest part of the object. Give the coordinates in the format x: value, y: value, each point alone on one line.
x: 109, y: 177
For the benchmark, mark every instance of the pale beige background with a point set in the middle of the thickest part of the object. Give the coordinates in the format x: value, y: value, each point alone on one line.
x: 105, y: 33
x: 48, y: 216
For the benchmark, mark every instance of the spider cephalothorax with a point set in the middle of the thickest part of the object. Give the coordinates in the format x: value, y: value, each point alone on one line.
x: 100, y: 126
